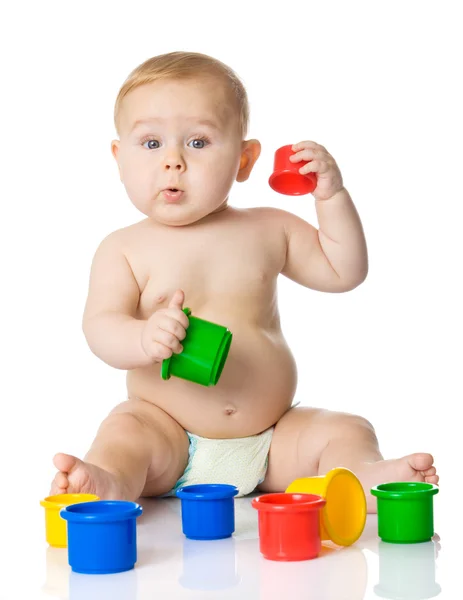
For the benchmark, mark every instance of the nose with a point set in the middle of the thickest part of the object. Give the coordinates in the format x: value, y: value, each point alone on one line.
x: 173, y: 161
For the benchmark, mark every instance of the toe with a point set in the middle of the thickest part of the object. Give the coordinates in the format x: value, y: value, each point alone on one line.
x: 421, y: 461
x: 432, y: 479
x: 59, y: 484
x: 429, y: 472
x: 65, y: 462
x: 55, y: 490
x: 61, y: 481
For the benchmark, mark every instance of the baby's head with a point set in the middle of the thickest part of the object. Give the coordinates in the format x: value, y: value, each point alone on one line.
x: 182, y: 120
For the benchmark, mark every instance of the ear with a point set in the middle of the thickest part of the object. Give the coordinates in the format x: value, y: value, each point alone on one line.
x: 115, y: 145
x: 250, y: 152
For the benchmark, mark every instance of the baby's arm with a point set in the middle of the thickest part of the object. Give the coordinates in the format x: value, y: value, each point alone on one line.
x: 110, y: 327
x: 333, y: 258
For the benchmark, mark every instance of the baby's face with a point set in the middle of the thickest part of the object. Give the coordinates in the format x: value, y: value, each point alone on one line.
x: 179, y: 135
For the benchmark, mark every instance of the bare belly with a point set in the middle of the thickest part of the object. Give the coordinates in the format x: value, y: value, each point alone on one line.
x: 256, y: 388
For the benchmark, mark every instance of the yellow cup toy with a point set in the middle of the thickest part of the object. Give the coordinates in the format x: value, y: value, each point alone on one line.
x: 55, y: 526
x: 343, y: 517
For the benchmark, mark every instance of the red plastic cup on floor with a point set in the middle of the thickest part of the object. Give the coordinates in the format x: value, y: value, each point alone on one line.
x: 286, y: 178
x: 289, y: 525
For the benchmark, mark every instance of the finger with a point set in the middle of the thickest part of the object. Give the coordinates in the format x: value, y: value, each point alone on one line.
x: 172, y: 326
x: 311, y: 154
x: 306, y: 154
x: 177, y: 315
x: 159, y: 351
x: 177, y: 300
x: 302, y: 145
x: 315, y: 166
x: 169, y: 340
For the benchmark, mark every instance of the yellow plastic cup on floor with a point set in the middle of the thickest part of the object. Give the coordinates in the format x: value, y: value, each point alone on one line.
x: 55, y: 526
x: 343, y: 517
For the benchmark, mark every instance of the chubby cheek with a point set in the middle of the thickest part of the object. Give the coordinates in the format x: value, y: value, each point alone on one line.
x: 217, y: 190
x: 137, y: 182
x: 213, y: 181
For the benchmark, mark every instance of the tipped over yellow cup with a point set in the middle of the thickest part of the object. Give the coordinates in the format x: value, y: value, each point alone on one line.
x: 55, y: 526
x: 343, y: 517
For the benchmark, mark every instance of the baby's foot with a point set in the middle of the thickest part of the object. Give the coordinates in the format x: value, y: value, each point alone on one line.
x: 414, y: 467
x: 77, y: 477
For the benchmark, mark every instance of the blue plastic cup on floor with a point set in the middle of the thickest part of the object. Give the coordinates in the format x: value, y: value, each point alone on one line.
x: 102, y: 536
x: 208, y: 510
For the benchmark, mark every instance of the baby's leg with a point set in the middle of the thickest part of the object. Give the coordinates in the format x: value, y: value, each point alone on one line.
x: 308, y: 442
x: 139, y: 450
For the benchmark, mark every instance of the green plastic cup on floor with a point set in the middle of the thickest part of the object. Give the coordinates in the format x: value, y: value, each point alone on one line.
x: 405, y: 511
x: 205, y: 351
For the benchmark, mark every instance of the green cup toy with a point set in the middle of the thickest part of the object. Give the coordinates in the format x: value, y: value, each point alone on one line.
x: 405, y: 511
x: 205, y: 350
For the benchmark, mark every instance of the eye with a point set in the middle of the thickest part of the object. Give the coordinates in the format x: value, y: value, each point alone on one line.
x: 198, y: 143
x: 151, y: 144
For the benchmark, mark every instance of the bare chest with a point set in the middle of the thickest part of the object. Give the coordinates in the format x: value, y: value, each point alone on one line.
x: 228, y: 270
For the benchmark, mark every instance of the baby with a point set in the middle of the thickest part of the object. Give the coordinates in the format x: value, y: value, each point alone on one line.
x: 182, y: 120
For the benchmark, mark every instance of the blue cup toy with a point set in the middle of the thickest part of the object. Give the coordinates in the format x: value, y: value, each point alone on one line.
x: 102, y: 536
x: 208, y: 511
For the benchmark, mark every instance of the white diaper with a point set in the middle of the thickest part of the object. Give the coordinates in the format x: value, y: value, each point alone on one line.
x: 241, y: 462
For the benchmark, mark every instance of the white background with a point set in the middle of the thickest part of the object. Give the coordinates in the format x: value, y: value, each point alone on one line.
x: 377, y: 83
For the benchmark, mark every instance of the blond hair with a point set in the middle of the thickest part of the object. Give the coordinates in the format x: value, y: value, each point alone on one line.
x: 185, y: 65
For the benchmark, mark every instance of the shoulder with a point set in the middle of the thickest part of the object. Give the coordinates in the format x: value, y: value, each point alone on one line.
x: 123, y: 239
x: 267, y: 214
x: 276, y: 220
x: 286, y: 221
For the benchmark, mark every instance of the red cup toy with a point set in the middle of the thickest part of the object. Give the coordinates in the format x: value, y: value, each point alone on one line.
x: 289, y: 525
x: 286, y: 178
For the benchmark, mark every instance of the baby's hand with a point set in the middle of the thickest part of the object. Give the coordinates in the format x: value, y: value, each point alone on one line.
x: 329, y: 178
x: 165, y: 329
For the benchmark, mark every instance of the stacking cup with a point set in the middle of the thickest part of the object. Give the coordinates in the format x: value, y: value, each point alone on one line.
x: 286, y: 178
x: 55, y: 526
x: 289, y: 525
x: 102, y: 536
x: 343, y: 518
x: 205, y: 350
x: 405, y: 511
x: 208, y: 510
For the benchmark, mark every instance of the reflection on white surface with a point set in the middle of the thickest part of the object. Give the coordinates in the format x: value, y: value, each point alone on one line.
x: 57, y: 573
x: 119, y: 586
x: 209, y: 565
x: 63, y: 583
x: 171, y: 566
x: 407, y: 571
x: 339, y: 574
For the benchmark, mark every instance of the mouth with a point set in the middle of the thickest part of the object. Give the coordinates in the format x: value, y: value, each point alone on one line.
x: 172, y: 194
